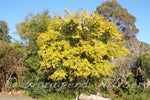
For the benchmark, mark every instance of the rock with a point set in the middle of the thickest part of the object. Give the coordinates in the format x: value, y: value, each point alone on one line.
x: 91, y: 97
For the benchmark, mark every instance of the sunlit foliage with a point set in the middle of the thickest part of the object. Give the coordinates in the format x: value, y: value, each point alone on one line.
x: 78, y: 46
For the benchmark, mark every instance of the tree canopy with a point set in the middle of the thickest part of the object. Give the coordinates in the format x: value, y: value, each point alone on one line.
x: 4, y: 32
x: 29, y: 30
x: 113, y: 11
x: 78, y: 46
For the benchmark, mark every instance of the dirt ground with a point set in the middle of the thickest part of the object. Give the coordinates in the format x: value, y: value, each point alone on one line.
x: 18, y: 95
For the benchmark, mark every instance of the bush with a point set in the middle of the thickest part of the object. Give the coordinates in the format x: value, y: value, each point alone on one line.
x: 59, y: 96
x: 141, y: 96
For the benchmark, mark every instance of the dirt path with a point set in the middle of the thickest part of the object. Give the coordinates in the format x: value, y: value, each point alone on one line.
x: 14, y: 96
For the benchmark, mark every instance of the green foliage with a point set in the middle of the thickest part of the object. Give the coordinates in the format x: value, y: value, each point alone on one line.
x: 33, y: 78
x: 37, y: 91
x: 59, y: 96
x: 33, y: 25
x: 21, y: 48
x: 113, y: 11
x: 16, y: 86
x: 4, y: 32
x: 121, y: 86
x: 141, y: 96
x: 29, y: 30
x: 143, y: 61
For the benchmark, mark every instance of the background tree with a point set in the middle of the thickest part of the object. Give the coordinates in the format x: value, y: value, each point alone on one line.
x: 113, y: 11
x: 29, y: 30
x: 137, y: 47
x: 4, y: 32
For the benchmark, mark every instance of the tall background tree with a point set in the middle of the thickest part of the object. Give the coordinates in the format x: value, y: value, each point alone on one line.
x: 4, y: 32
x: 113, y: 11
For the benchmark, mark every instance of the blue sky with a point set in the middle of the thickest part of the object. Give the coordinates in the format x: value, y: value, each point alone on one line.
x: 14, y: 11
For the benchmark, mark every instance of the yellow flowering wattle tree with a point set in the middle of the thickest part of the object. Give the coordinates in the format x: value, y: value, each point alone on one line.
x: 78, y: 46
